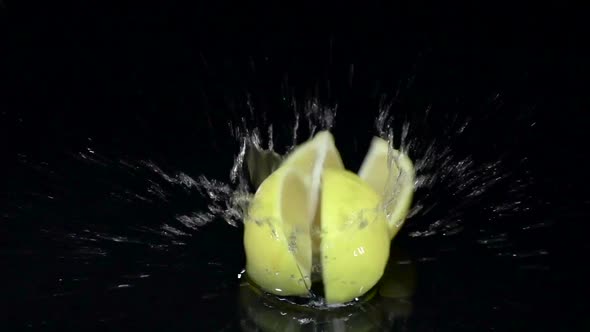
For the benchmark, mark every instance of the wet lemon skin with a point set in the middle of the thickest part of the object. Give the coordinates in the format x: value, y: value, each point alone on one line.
x: 355, y: 239
x: 269, y: 261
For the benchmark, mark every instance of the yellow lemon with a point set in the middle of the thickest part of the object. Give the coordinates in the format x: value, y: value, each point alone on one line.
x: 311, y: 212
x: 277, y: 234
x: 391, y: 174
x: 355, y: 240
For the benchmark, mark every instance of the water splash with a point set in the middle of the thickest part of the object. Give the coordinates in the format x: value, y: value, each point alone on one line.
x: 147, y: 186
x: 448, y: 180
x: 445, y: 180
x: 448, y: 184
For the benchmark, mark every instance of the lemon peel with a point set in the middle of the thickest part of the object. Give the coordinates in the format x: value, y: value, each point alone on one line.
x: 276, y: 234
x: 355, y: 240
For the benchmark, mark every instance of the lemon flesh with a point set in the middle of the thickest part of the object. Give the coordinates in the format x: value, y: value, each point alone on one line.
x: 391, y: 174
x: 276, y: 234
x: 355, y: 240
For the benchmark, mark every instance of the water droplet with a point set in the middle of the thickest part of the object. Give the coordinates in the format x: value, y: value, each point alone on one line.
x: 359, y: 251
x: 274, y: 233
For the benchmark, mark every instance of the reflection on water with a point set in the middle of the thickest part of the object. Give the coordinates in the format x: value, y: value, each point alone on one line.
x: 386, y: 307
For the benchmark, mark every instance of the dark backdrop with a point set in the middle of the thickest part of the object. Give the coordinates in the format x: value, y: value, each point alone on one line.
x: 161, y: 82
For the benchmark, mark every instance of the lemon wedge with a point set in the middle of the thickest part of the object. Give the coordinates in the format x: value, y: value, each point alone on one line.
x: 393, y: 178
x: 355, y: 241
x: 277, y: 234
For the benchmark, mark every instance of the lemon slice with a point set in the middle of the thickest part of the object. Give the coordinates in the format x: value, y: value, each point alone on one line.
x: 355, y: 240
x: 277, y: 234
x: 394, y: 180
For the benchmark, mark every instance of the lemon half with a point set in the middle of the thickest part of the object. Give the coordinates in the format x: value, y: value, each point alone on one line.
x: 277, y: 238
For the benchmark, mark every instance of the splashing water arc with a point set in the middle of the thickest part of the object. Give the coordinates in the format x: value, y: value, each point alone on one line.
x: 311, y: 220
x: 446, y: 186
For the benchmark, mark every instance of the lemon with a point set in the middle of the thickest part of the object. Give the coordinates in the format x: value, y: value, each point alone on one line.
x: 393, y: 178
x: 277, y: 234
x: 355, y: 239
x: 311, y: 212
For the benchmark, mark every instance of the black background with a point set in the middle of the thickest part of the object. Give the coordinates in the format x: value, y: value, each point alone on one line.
x: 161, y: 82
